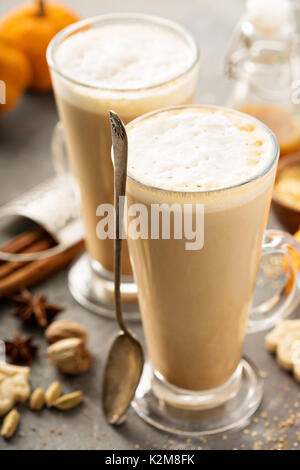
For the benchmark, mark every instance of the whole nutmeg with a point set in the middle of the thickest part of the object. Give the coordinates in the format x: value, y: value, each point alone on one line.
x: 70, y: 356
x: 63, y: 329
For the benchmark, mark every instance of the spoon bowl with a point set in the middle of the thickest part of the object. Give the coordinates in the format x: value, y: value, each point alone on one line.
x: 122, y: 374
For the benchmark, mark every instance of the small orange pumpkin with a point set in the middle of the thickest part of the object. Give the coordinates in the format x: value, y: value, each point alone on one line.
x: 30, y: 28
x: 15, y: 74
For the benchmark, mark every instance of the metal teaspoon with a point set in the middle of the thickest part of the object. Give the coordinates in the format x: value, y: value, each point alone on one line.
x: 125, y: 360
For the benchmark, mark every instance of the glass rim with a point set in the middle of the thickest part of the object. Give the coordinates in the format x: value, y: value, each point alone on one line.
x: 164, y: 22
x: 264, y: 172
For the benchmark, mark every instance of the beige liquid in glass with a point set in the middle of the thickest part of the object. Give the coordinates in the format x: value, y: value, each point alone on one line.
x: 195, y: 304
x: 121, y: 67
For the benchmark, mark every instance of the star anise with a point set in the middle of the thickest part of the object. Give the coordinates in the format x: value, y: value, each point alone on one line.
x: 35, y: 309
x: 20, y: 350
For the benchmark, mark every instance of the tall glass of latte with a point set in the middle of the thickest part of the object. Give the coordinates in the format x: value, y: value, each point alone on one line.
x: 133, y: 64
x: 199, y: 189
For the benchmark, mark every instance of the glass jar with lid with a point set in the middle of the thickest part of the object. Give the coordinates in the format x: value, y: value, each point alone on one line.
x: 263, y: 60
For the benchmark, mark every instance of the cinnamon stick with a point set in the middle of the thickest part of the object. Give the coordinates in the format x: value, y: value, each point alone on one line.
x: 38, y: 270
x: 10, y: 266
x: 22, y: 241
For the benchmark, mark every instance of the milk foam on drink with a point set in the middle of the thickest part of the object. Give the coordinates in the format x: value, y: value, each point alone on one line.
x: 196, y: 149
x: 124, y: 57
x: 146, y: 64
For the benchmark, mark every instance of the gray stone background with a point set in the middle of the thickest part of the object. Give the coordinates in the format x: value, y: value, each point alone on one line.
x: 25, y: 160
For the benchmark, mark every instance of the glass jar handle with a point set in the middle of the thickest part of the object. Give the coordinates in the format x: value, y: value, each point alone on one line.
x: 232, y: 56
x: 277, y: 290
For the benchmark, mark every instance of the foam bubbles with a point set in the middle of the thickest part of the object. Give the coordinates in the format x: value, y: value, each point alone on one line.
x: 195, y: 149
x: 124, y: 56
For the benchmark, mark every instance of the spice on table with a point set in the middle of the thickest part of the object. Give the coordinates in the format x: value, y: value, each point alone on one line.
x: 52, y: 393
x: 14, y: 386
x: 68, y: 401
x: 15, y: 275
x: 10, y: 424
x: 11, y: 267
x: 63, y: 329
x: 37, y: 399
x: 35, y: 309
x: 20, y: 350
x: 70, y: 356
x: 23, y: 241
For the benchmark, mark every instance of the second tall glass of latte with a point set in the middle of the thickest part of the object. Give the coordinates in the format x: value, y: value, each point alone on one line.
x: 132, y: 64
x: 199, y: 187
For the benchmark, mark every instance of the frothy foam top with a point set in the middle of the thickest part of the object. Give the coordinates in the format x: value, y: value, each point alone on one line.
x: 195, y: 149
x: 124, y: 57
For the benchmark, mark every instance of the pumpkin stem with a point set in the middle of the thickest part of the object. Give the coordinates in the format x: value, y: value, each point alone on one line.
x: 41, y: 8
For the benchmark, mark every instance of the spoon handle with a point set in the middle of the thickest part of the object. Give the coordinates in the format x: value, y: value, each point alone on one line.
x: 120, y: 149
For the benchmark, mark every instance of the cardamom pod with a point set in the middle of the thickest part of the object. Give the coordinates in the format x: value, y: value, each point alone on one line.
x: 52, y: 393
x: 68, y: 401
x: 10, y: 424
x: 37, y: 399
x: 70, y: 356
x: 63, y: 329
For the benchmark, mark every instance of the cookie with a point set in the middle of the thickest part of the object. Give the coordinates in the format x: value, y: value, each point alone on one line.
x: 281, y: 330
x: 284, y: 340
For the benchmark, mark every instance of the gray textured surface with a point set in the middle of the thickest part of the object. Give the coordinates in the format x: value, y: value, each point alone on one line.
x: 25, y: 161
